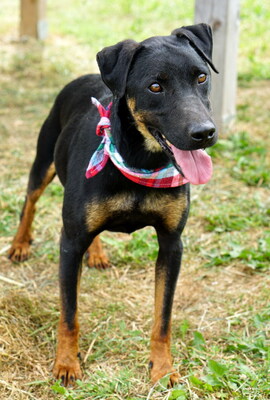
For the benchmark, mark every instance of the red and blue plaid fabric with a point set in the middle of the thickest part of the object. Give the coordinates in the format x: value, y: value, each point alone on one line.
x: 164, y: 177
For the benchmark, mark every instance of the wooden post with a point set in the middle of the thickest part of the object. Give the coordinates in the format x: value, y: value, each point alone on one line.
x: 33, y: 22
x: 223, y: 17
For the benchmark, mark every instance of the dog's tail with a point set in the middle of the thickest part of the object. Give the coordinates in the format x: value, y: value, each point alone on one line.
x: 43, y: 169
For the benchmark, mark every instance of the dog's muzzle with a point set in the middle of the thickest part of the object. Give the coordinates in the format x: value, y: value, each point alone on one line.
x: 162, y: 141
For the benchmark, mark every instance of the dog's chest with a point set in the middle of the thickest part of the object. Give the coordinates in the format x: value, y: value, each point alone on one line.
x: 125, y: 212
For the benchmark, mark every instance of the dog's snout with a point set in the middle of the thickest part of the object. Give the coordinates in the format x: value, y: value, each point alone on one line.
x: 203, y: 132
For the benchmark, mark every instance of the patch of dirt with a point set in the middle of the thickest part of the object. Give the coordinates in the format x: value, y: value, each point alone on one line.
x: 214, y: 300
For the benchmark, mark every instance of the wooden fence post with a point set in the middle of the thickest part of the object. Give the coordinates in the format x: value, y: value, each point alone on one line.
x: 33, y: 22
x: 223, y: 17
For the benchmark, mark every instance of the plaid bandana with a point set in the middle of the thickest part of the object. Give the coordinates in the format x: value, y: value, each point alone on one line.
x: 165, y: 177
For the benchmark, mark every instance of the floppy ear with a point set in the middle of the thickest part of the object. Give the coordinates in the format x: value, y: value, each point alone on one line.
x: 114, y: 63
x: 200, y: 37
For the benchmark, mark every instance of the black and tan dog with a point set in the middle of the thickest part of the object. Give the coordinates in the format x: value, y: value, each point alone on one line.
x: 160, y: 116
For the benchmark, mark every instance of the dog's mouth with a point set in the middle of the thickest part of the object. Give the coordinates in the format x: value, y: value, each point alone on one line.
x: 194, y: 165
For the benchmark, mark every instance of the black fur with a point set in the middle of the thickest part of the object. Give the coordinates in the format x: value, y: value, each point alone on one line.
x: 68, y: 138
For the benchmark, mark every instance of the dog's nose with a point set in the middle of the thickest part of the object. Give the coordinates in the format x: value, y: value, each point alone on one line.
x: 203, y: 132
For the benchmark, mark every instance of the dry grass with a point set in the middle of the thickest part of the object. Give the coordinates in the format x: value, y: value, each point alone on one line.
x: 215, y: 301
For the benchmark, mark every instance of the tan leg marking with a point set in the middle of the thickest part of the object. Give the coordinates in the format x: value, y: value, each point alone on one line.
x: 96, y: 256
x: 20, y: 247
x: 67, y: 365
x: 160, y: 357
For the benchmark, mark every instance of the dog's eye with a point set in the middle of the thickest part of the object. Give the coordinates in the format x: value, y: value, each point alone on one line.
x: 202, y: 78
x: 155, y: 88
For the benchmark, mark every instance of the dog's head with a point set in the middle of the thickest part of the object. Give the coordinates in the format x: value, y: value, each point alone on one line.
x: 165, y: 81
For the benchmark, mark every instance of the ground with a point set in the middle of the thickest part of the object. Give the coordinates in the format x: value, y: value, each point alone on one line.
x: 221, y: 311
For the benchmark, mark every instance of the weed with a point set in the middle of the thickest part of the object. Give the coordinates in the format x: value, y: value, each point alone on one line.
x: 234, y: 376
x: 236, y: 214
x: 255, y: 257
x: 250, y: 163
x: 102, y: 388
x: 142, y: 246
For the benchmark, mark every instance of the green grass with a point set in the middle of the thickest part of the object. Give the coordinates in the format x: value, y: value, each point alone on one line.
x: 141, y: 247
x: 139, y: 19
x: 232, y: 215
x: 255, y: 256
x: 254, y: 46
x: 249, y: 157
x: 227, y: 370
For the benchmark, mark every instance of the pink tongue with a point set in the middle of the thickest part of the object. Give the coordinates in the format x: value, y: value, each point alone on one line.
x: 196, y: 165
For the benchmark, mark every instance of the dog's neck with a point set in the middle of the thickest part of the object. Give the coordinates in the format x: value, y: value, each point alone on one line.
x: 130, y: 142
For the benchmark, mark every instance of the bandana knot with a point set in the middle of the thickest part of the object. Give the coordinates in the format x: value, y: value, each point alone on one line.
x: 105, y: 114
x: 165, y: 177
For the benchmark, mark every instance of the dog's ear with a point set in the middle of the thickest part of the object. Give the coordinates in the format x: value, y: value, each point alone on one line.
x: 114, y: 63
x: 200, y: 37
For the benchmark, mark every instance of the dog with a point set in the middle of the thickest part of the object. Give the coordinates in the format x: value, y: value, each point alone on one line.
x: 125, y: 167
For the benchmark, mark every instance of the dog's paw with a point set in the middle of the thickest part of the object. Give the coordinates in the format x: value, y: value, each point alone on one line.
x: 98, y: 261
x: 67, y: 371
x: 158, y: 372
x: 19, y: 251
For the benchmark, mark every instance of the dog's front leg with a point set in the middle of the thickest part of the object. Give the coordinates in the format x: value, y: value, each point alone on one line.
x: 167, y: 270
x: 67, y: 366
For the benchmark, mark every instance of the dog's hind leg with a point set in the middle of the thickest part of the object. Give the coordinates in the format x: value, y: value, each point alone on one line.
x: 20, y: 247
x: 167, y: 270
x: 96, y: 258
x: 41, y: 174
